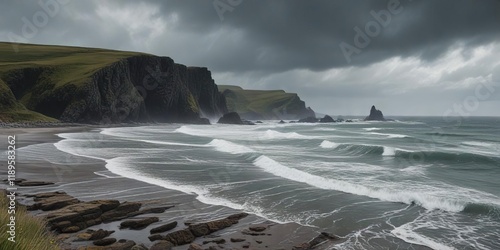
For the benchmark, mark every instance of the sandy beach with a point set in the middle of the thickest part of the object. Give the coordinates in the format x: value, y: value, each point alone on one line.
x: 88, y: 179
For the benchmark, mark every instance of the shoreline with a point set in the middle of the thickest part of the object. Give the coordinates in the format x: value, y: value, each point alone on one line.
x: 88, y: 179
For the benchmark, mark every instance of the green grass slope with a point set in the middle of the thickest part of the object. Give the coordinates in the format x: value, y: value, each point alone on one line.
x: 57, y: 66
x: 263, y: 104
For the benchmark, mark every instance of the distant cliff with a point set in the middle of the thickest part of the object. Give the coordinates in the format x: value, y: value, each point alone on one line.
x: 102, y: 86
x: 265, y: 104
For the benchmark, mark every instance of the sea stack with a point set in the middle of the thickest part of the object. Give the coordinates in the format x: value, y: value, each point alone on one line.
x: 375, y: 115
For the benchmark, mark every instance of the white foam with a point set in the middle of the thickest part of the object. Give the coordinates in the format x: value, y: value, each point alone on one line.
x: 229, y: 147
x: 478, y: 144
x: 426, y: 200
x: 325, y: 129
x: 172, y: 143
x: 328, y: 144
x: 117, y: 166
x: 389, y: 135
x: 371, y: 129
x: 389, y: 151
x: 405, y: 233
x: 273, y: 134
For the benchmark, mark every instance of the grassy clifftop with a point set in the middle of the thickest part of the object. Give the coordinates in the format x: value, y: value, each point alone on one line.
x: 52, y: 66
x: 264, y: 104
x: 90, y: 85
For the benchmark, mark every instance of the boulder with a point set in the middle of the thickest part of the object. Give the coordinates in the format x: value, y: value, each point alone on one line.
x: 33, y: 183
x: 217, y: 225
x: 164, y: 228
x: 104, y: 242
x: 139, y: 247
x: 139, y: 223
x: 234, y: 240
x: 162, y: 245
x: 257, y: 228
x: 121, y: 212
x: 194, y: 246
x: 375, y: 115
x: 216, y: 241
x: 281, y: 122
x: 180, y: 237
x: 238, y: 216
x: 326, y: 119
x: 322, y: 237
x: 308, y: 120
x: 199, y: 230
x: 94, y: 235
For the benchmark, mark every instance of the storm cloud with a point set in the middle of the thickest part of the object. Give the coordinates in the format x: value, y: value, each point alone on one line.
x: 407, y: 57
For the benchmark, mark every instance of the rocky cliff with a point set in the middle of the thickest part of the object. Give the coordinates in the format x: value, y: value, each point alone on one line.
x: 100, y: 86
x: 265, y: 104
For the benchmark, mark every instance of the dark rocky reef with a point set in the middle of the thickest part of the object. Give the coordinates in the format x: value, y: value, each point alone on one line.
x: 233, y: 118
x: 309, y: 119
x: 141, y: 88
x: 375, y: 115
x: 326, y: 119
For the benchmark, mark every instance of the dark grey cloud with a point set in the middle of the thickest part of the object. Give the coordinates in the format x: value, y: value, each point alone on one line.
x: 294, y: 44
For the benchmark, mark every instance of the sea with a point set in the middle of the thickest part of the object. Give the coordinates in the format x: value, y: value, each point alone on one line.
x: 403, y: 184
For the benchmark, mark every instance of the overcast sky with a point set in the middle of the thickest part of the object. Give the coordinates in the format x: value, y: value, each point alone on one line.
x: 406, y: 57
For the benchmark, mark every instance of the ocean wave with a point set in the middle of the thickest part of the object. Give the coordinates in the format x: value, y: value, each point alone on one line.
x: 447, y: 134
x: 427, y: 201
x: 328, y: 144
x: 479, y: 144
x: 482, y: 209
x: 229, y: 147
x: 447, y: 156
x: 389, y: 135
x: 273, y: 134
x: 171, y: 143
x: 118, y: 166
x: 414, y: 155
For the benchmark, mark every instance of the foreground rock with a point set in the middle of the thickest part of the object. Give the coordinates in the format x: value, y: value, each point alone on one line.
x: 26, y: 183
x: 164, y: 228
x: 233, y: 118
x: 94, y: 235
x: 69, y: 215
x: 139, y: 223
x: 318, y: 240
x: 188, y: 235
x: 375, y: 115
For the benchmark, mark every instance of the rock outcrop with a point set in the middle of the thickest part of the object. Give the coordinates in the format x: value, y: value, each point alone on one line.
x: 375, y: 115
x: 233, y: 118
x: 67, y: 214
x: 326, y: 119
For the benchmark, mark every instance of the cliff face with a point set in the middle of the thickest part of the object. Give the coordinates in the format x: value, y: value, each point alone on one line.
x: 139, y: 88
x: 265, y: 104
